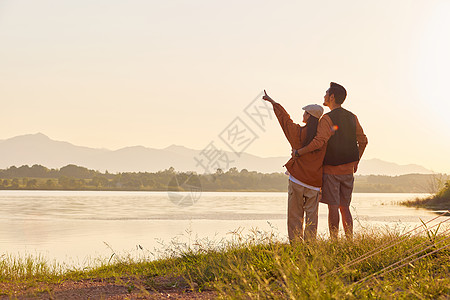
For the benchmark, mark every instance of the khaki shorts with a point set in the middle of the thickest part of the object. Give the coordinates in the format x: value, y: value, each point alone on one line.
x: 337, y: 189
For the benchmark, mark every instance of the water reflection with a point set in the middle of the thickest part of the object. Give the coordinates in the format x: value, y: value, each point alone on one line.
x: 72, y: 226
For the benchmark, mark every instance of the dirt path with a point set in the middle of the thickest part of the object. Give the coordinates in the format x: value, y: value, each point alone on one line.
x: 122, y: 288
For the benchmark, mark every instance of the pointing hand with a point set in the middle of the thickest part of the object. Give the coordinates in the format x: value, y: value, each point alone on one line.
x: 267, y: 98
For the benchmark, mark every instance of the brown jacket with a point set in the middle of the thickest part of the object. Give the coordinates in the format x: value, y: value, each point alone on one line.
x: 308, y: 167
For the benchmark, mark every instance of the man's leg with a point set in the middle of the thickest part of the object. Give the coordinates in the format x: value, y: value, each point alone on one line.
x: 333, y: 220
x: 295, y: 212
x: 346, y: 189
x: 311, y: 206
x: 347, y: 221
x: 330, y: 196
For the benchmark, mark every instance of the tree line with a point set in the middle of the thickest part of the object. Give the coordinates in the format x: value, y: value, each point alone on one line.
x: 72, y: 177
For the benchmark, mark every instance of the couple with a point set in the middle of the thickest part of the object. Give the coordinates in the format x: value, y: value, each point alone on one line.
x: 325, y: 154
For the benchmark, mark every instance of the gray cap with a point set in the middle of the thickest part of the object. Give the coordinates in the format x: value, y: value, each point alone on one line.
x: 314, y: 110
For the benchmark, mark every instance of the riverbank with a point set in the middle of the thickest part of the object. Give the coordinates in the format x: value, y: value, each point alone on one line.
x: 253, y: 266
x: 439, y: 202
x: 434, y: 203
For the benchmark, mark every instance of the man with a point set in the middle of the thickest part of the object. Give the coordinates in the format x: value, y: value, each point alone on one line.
x: 305, y: 173
x: 346, y: 141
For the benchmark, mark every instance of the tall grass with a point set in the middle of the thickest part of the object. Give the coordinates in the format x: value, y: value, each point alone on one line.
x: 305, y: 270
x: 261, y: 265
x: 14, y: 268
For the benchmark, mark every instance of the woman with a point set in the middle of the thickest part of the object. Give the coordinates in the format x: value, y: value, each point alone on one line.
x: 305, y: 172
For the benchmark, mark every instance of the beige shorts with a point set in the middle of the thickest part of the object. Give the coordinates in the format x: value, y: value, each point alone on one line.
x: 337, y: 189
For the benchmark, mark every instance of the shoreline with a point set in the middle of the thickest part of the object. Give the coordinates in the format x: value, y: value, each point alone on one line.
x: 201, y: 191
x: 435, y: 203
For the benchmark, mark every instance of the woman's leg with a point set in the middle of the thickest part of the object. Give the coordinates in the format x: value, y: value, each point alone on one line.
x: 311, y: 206
x: 295, y: 212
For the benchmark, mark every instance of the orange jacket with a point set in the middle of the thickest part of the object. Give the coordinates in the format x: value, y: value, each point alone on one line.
x: 308, y: 167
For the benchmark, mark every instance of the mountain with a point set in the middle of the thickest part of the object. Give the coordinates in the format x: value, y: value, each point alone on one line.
x: 380, y: 167
x: 38, y: 148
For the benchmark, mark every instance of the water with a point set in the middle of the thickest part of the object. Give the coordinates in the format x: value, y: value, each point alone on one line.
x: 75, y: 228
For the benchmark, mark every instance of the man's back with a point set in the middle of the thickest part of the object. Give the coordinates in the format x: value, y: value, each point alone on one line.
x: 342, y: 146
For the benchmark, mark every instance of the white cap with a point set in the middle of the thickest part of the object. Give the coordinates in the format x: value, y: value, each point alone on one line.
x: 314, y: 110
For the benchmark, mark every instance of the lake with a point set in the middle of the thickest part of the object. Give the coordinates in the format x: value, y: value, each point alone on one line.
x: 75, y: 228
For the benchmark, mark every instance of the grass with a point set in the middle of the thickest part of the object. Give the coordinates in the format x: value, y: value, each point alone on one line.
x: 260, y: 265
x: 434, y: 202
x: 439, y: 201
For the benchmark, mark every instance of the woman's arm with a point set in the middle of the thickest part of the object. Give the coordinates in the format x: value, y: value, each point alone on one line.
x: 291, y: 130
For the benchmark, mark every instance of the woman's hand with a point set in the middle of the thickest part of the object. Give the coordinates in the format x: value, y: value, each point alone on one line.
x: 267, y: 98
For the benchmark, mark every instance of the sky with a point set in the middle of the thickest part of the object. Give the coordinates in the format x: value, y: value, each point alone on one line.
x: 111, y: 74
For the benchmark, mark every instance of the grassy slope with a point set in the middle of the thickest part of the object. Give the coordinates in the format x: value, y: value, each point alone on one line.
x: 260, y: 266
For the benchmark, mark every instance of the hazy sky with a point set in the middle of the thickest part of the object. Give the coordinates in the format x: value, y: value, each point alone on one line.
x: 111, y: 74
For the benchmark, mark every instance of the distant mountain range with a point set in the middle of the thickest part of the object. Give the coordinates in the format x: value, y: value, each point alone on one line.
x: 40, y: 149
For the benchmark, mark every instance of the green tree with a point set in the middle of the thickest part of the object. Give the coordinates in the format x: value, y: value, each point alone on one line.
x: 233, y: 171
x: 99, y: 182
x: 15, y: 183
x: 31, y: 184
x: 50, y: 184
x: 76, y: 172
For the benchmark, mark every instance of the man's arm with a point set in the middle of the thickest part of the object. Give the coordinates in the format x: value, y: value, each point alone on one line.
x: 324, y: 132
x: 290, y: 129
x: 361, y: 138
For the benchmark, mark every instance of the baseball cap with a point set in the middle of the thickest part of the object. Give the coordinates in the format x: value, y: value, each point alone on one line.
x: 314, y: 110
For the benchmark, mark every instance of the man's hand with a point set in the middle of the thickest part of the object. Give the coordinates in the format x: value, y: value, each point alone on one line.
x: 267, y: 98
x: 294, y: 153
